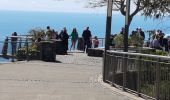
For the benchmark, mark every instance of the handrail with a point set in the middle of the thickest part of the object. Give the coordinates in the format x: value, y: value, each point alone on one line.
x: 148, y: 75
x: 140, y: 54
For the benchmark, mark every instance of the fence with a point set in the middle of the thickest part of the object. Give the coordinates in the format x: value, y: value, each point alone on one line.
x: 22, y: 41
x: 9, y: 48
x: 25, y: 42
x: 101, y: 42
x: 146, y: 75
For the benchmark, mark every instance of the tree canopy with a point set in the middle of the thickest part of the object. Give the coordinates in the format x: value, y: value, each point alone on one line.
x: 148, y: 8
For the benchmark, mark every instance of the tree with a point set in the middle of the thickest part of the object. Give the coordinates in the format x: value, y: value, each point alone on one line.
x: 156, y: 8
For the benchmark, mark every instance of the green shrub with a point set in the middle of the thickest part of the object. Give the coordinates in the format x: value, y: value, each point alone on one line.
x: 136, y: 40
x: 37, y: 33
x: 154, y: 52
x: 119, y: 40
x: 150, y: 89
x: 33, y: 53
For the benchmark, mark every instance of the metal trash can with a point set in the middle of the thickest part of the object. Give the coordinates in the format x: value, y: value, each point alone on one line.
x: 60, y: 49
x: 48, y: 51
x: 80, y: 45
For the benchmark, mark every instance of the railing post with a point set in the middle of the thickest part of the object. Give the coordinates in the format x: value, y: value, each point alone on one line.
x: 104, y: 66
x: 124, y: 58
x: 5, y: 47
x: 27, y: 51
x: 102, y: 42
x: 157, y: 80
x: 139, y: 63
x: 114, y: 69
x: 20, y: 43
x: 12, y: 44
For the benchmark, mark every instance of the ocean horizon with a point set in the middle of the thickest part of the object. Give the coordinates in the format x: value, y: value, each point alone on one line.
x: 23, y: 21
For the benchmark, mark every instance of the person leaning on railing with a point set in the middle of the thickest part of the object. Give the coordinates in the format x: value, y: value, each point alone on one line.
x: 95, y: 42
x: 14, y: 42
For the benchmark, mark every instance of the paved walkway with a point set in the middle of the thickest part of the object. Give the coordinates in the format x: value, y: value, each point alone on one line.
x: 72, y: 77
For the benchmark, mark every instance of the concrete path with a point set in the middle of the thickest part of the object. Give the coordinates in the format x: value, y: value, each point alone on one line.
x: 72, y: 77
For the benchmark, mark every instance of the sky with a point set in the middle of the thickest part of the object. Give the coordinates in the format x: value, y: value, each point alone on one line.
x: 49, y: 5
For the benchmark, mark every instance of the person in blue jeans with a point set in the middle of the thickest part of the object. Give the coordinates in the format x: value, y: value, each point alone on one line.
x: 87, y: 39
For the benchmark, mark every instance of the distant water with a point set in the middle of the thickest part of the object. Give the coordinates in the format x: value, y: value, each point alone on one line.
x: 22, y: 22
x: 2, y: 60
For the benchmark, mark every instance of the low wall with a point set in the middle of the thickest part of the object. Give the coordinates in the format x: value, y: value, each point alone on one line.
x: 95, y: 52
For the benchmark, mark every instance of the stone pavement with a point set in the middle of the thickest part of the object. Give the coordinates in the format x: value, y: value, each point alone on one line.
x: 72, y: 77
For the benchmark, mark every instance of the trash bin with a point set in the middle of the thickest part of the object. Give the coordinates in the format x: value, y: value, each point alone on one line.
x: 60, y: 49
x: 80, y: 45
x: 48, y: 51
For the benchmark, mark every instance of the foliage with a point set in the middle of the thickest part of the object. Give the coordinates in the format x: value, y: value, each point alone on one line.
x: 154, y: 52
x: 156, y: 8
x: 33, y: 53
x: 37, y: 33
x: 119, y: 40
x: 136, y: 40
x: 148, y: 89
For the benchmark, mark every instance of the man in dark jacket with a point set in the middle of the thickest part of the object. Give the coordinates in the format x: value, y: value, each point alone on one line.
x: 64, y: 37
x: 87, y: 39
x: 141, y: 33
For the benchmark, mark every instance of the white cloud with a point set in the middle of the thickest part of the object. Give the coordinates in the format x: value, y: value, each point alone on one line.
x: 48, y: 5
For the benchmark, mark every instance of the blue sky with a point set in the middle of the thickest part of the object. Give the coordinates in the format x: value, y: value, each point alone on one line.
x: 49, y: 5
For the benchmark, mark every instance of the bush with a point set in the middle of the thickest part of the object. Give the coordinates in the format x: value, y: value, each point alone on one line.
x: 119, y: 40
x: 136, y: 40
x: 33, y: 53
x: 37, y: 33
x: 154, y: 52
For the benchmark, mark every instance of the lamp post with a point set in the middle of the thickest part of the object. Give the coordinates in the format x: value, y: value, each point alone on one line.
x: 108, y: 32
x: 126, y: 30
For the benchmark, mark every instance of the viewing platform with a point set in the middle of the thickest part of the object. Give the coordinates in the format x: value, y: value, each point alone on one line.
x: 75, y: 76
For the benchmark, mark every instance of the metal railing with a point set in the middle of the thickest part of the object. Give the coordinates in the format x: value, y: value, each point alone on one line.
x: 146, y: 75
x: 101, y: 42
x: 9, y: 49
x: 25, y: 42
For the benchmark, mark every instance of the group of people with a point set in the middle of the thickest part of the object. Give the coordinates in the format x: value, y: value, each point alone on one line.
x: 139, y: 32
x: 158, y: 40
x: 64, y: 36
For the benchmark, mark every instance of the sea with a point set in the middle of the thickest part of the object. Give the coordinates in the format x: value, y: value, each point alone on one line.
x: 23, y: 21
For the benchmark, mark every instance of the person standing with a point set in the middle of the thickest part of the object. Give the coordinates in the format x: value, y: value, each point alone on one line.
x: 95, y: 42
x: 64, y: 37
x: 14, y: 43
x: 141, y: 33
x: 54, y: 34
x: 49, y: 33
x: 74, y: 37
x: 87, y: 39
